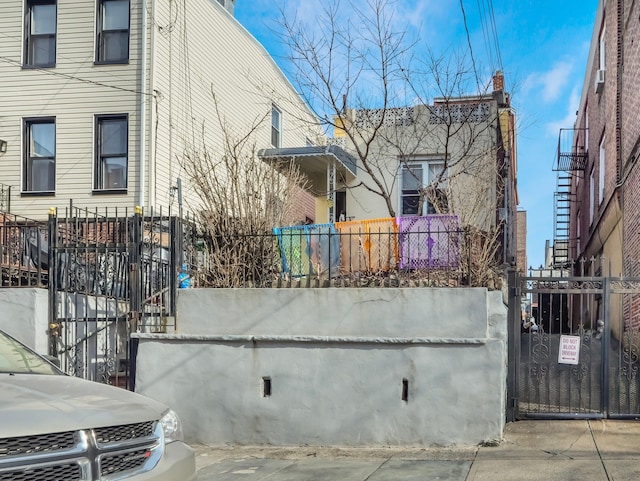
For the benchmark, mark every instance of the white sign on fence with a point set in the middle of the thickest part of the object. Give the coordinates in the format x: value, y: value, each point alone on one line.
x: 569, y: 351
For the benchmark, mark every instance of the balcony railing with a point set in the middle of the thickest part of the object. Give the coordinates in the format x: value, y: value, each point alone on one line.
x: 23, y: 252
x: 572, y: 151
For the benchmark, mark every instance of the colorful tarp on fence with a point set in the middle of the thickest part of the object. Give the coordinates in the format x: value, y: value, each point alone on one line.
x: 373, y: 245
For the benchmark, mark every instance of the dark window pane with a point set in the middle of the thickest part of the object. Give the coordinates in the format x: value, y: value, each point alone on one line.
x: 115, y: 173
x: 42, y: 175
x: 40, y: 40
x: 115, y: 15
x: 115, y: 46
x: 43, y: 140
x: 410, y: 204
x: 43, y: 50
x: 412, y: 178
x: 113, y: 137
x: 275, y: 126
x: 43, y: 19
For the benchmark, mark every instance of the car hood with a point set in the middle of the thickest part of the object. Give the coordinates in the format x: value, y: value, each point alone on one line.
x: 34, y: 404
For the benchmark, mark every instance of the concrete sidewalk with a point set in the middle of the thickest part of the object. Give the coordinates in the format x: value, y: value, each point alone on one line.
x: 530, y: 450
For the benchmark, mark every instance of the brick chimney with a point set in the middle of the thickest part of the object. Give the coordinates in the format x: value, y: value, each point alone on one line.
x: 498, y: 81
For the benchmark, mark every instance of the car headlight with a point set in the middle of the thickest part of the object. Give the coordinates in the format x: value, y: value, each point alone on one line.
x: 172, y: 427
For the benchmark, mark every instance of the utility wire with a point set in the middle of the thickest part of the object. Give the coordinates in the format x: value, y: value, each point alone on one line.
x: 495, y: 34
x: 55, y: 73
x: 473, y: 61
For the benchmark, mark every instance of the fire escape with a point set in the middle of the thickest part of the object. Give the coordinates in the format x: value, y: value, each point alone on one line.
x: 572, y: 158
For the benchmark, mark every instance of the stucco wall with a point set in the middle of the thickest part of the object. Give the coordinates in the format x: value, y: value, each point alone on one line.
x: 24, y: 314
x: 336, y: 359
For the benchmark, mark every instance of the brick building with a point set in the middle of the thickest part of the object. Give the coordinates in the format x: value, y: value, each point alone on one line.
x: 603, y: 194
x: 599, y: 179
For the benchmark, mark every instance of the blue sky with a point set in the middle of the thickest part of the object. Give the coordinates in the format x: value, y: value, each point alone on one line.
x: 543, y: 46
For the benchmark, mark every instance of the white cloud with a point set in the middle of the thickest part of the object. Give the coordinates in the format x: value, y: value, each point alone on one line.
x: 413, y: 14
x: 552, y: 82
x: 570, y: 117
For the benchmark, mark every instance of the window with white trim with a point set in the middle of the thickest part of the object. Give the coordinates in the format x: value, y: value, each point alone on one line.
x: 112, y: 43
x: 603, y: 49
x: 276, y: 127
x: 40, y: 33
x: 39, y: 167
x: 416, y: 179
x: 112, y: 152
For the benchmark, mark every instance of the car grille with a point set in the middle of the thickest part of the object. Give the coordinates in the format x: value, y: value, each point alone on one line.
x: 87, y: 455
x: 43, y: 443
x: 70, y: 471
x: 115, y: 434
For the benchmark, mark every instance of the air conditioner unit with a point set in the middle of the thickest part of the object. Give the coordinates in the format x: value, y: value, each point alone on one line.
x: 599, y: 81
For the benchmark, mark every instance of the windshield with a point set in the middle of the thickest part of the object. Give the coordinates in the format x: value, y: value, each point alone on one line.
x: 16, y: 358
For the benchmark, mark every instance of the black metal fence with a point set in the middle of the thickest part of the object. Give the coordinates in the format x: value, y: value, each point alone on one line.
x: 115, y: 272
x: 322, y: 256
x: 574, y: 352
x: 24, y: 252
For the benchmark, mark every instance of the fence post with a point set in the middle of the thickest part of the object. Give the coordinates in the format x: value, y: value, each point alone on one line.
x: 175, y: 260
x: 513, y: 343
x: 135, y: 292
x: 54, y: 326
x: 135, y: 274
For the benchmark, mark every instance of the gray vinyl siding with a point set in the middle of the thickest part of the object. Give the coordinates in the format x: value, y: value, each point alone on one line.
x: 223, y: 58
x: 73, y: 92
x: 210, y: 51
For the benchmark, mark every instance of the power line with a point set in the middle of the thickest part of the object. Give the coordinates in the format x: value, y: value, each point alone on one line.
x: 55, y: 73
x: 473, y: 61
x: 495, y: 34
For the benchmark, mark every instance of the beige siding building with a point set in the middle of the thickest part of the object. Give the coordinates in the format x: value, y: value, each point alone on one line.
x: 94, y: 116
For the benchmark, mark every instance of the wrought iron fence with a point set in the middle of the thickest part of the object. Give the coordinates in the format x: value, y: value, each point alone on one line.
x: 332, y: 255
x: 115, y: 273
x: 24, y: 253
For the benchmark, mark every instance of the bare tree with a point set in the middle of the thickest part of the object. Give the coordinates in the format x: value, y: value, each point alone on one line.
x: 240, y: 200
x: 395, y: 102
x: 367, y: 80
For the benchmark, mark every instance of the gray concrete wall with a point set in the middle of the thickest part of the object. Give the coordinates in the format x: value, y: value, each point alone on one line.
x: 24, y: 314
x: 336, y: 359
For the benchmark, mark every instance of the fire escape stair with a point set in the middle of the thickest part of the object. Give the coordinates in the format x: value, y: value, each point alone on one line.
x: 571, y: 159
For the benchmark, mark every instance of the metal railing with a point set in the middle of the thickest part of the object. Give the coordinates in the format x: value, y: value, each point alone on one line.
x: 24, y: 252
x: 322, y: 256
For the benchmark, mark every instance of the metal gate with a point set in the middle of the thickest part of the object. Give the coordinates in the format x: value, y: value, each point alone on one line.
x: 574, y: 347
x: 110, y: 275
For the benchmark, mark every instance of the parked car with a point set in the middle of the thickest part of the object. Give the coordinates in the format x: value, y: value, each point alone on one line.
x: 62, y: 428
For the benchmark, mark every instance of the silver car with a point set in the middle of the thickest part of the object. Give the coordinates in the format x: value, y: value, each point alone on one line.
x: 55, y: 427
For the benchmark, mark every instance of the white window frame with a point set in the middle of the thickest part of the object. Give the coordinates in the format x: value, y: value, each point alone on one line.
x: 100, y: 178
x: 102, y: 33
x: 586, y: 127
x: 33, y: 39
x: 603, y: 48
x: 44, y: 158
x: 426, y: 171
x: 601, y: 170
x: 276, y: 126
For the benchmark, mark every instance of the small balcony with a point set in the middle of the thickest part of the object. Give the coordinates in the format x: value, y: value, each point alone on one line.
x: 572, y: 150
